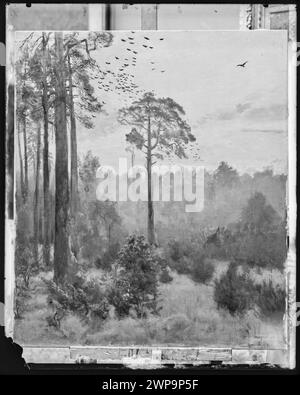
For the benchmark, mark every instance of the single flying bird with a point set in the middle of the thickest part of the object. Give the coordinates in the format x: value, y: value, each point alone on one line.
x: 242, y: 64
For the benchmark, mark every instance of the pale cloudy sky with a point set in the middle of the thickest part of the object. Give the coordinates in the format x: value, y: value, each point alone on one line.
x: 237, y: 114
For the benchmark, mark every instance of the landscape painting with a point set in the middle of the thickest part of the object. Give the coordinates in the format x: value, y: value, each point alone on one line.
x: 151, y: 176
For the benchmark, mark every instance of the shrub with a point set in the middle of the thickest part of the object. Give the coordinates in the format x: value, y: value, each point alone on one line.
x: 22, y: 293
x: 86, y: 299
x: 165, y: 276
x: 234, y: 291
x: 261, y: 250
x: 108, y: 257
x: 270, y: 298
x: 175, y: 251
x: 25, y: 265
x: 182, y: 266
x: 202, y: 269
x: 135, y: 285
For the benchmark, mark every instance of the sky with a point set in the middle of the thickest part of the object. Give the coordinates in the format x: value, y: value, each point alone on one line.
x: 238, y: 115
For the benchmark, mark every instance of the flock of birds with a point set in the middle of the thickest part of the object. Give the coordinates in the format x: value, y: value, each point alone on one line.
x: 117, y: 75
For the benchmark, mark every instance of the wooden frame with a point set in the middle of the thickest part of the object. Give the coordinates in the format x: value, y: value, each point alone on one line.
x: 251, y: 17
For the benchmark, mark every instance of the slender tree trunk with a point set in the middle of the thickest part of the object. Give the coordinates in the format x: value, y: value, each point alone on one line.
x: 46, y: 249
x: 151, y: 234
x: 74, y: 170
x: 109, y: 234
x: 61, y: 242
x: 36, y: 197
x: 25, y: 156
x: 21, y: 166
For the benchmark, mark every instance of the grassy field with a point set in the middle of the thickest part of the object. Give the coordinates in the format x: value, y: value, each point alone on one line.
x: 188, y: 316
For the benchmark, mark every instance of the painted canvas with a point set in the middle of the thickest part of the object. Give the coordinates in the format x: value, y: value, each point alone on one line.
x: 151, y: 188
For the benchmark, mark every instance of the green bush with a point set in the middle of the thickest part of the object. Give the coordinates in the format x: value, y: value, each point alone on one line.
x: 135, y: 285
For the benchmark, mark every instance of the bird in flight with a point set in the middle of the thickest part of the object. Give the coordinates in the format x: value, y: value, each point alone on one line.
x: 116, y: 57
x: 146, y: 38
x: 146, y: 46
x: 122, y: 39
x: 163, y: 71
x: 161, y: 39
x: 242, y: 64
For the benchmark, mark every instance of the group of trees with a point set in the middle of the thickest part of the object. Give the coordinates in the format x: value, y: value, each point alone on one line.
x: 54, y: 92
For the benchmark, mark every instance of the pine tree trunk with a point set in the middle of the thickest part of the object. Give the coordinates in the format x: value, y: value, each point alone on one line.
x: 25, y: 157
x: 21, y: 166
x: 46, y: 249
x: 74, y: 172
x: 36, y: 198
x: 151, y: 234
x: 61, y: 242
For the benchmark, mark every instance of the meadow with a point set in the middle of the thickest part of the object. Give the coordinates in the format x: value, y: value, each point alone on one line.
x: 189, y: 316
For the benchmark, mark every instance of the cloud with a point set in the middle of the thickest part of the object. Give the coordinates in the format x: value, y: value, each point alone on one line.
x: 274, y: 131
x: 274, y: 112
x: 240, y: 108
x: 248, y: 111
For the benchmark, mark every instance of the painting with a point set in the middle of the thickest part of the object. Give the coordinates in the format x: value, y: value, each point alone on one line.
x: 151, y: 176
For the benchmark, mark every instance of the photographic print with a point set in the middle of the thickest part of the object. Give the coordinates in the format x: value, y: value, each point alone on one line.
x: 151, y: 188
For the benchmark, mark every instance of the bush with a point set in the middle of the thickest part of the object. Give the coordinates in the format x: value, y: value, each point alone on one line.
x: 202, y: 269
x: 86, y: 299
x: 182, y: 266
x: 107, y: 259
x: 234, y: 292
x: 135, y: 284
x: 22, y: 293
x: 270, y: 298
x: 261, y: 250
x: 25, y: 265
x: 165, y: 276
